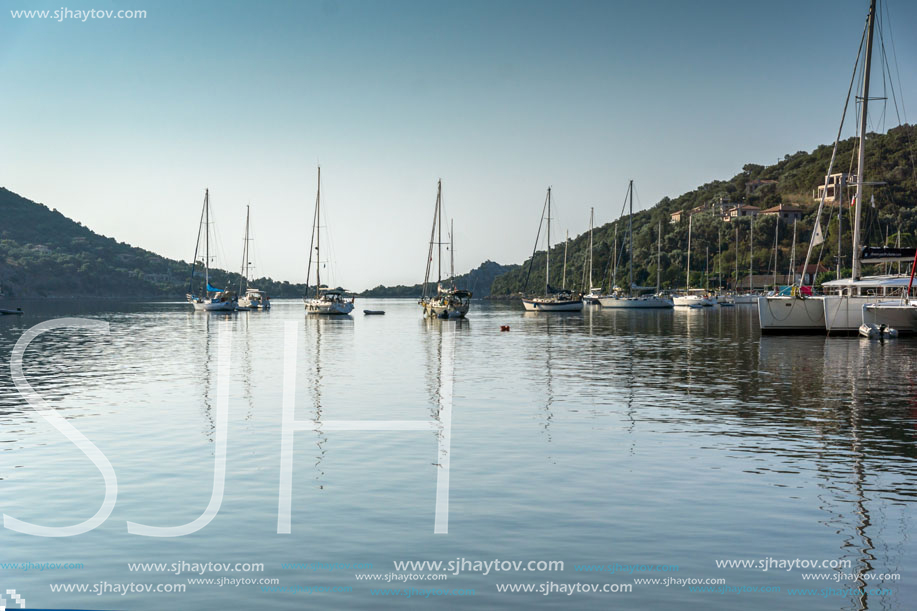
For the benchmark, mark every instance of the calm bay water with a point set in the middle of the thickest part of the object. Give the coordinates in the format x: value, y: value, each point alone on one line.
x: 607, y: 437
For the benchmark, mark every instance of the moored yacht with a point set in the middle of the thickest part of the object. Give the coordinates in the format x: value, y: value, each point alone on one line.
x: 208, y: 298
x: 450, y: 301
x: 619, y: 299
x: 250, y: 298
x: 325, y: 301
x: 553, y: 300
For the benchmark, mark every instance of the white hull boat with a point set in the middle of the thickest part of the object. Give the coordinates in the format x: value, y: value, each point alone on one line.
x: 447, y: 304
x: 844, y: 314
x: 211, y: 305
x: 548, y: 304
x: 748, y: 299
x: 692, y: 301
x: 650, y: 301
x: 790, y: 314
x: 328, y: 306
x: 894, y: 314
x: 253, y: 299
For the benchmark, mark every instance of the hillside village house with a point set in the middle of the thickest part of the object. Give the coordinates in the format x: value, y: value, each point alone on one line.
x: 740, y: 211
x: 679, y: 216
x: 784, y: 212
x: 837, y: 184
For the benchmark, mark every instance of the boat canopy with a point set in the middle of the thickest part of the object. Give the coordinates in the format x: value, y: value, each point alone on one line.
x: 870, y: 282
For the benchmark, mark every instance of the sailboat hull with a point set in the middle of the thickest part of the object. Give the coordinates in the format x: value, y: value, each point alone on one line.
x: 435, y: 310
x: 552, y: 305
x: 212, y: 306
x: 844, y: 314
x: 787, y: 314
x: 323, y: 307
x: 693, y: 301
x: 894, y: 314
x: 635, y: 302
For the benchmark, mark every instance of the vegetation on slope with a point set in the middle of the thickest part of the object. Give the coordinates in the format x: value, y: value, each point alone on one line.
x: 889, y: 160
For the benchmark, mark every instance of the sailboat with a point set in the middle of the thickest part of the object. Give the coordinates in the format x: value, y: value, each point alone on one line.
x: 749, y: 297
x: 252, y: 298
x: 325, y: 301
x: 448, y: 302
x: 592, y: 297
x: 842, y: 308
x: 552, y: 300
x: 629, y: 300
x: 209, y: 299
x: 691, y: 298
x: 723, y: 299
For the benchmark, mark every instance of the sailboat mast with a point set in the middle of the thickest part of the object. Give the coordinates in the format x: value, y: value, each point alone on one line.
x: 719, y: 258
x: 207, y: 242
x: 751, y: 252
x: 197, y: 245
x: 776, y: 236
x: 735, y: 283
x: 630, y: 239
x: 563, y: 283
x: 452, y: 251
x: 688, y: 268
x: 547, y: 253
x: 659, y: 258
x: 707, y: 271
x: 614, y: 279
x: 861, y: 153
x: 318, y: 234
x: 793, y: 256
x: 439, y: 239
x: 591, y: 221
x: 244, y: 274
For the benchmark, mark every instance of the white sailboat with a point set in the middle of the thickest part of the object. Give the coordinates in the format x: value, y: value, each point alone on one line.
x: 692, y: 298
x: 841, y: 309
x: 209, y: 298
x: 325, y: 301
x: 553, y: 300
x: 449, y: 301
x: 595, y: 292
x: 629, y: 300
x: 251, y: 298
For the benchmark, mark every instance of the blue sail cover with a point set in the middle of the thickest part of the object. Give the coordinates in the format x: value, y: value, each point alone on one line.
x: 211, y: 289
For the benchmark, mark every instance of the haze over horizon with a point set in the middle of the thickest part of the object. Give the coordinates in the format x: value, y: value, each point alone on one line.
x: 122, y: 124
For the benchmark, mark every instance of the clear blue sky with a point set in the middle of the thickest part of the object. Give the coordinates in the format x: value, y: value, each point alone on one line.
x: 121, y: 124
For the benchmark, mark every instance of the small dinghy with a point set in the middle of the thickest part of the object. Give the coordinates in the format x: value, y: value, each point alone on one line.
x: 16, y: 312
x: 874, y: 331
x: 373, y: 312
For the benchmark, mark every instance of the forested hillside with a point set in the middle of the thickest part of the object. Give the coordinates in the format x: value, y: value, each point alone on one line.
x: 792, y: 181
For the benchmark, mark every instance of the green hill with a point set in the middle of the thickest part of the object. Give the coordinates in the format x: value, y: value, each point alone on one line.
x: 792, y: 181
x: 45, y: 254
x: 478, y: 281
